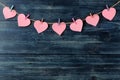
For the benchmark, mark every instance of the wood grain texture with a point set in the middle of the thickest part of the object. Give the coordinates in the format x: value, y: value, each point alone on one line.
x: 93, y: 54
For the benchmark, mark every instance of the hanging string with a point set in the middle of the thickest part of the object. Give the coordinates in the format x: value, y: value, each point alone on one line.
x: 66, y: 22
x: 116, y: 4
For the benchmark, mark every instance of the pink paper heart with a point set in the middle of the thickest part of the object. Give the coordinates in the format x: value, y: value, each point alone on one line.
x: 8, y: 13
x: 93, y: 20
x: 23, y: 21
x: 77, y: 25
x: 59, y: 28
x: 40, y: 26
x: 109, y: 13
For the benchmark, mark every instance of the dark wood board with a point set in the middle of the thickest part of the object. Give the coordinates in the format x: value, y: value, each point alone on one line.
x: 93, y: 54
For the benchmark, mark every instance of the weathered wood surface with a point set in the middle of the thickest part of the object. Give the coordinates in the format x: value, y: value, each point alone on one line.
x: 93, y: 54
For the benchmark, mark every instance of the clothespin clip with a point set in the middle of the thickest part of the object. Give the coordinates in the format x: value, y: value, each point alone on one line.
x: 12, y: 7
x: 91, y: 14
x: 107, y: 7
x: 42, y: 20
x: 58, y: 20
x: 27, y: 16
x: 74, y: 20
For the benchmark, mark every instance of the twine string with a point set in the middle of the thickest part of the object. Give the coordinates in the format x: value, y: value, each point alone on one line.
x: 118, y: 2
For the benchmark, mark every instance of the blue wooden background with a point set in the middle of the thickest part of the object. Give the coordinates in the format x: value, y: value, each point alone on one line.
x: 93, y: 54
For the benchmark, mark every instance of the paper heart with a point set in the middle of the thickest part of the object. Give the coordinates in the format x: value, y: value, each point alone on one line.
x: 93, y: 20
x: 40, y: 26
x: 77, y: 25
x: 109, y: 13
x: 23, y: 21
x: 8, y: 13
x: 59, y: 28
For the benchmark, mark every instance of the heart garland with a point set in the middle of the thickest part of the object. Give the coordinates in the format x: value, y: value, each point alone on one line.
x: 23, y: 20
x: 93, y: 19
x: 8, y: 13
x: 59, y: 28
x: 76, y: 25
x: 109, y: 13
x: 40, y: 26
